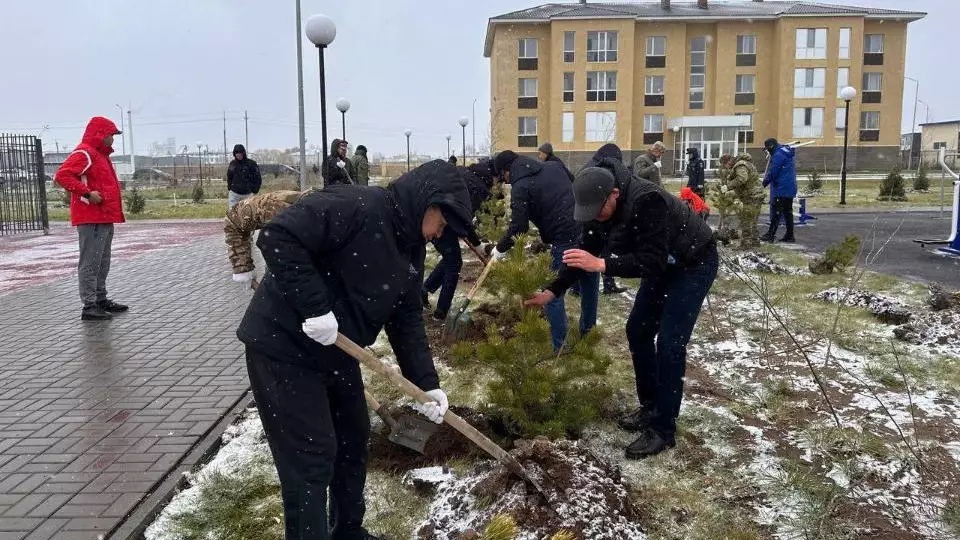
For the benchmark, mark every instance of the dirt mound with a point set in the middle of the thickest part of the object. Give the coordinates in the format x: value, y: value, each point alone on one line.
x: 935, y: 328
x: 588, y: 498
x: 761, y: 262
x: 887, y: 310
x: 941, y: 299
x: 444, y: 445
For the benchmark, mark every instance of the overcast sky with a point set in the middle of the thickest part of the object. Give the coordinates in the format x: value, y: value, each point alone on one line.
x: 414, y: 64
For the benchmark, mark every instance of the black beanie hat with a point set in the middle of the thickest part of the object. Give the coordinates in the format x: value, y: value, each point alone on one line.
x: 770, y: 144
x: 503, y: 160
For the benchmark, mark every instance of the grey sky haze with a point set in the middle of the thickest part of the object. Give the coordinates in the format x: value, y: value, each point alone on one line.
x: 414, y: 64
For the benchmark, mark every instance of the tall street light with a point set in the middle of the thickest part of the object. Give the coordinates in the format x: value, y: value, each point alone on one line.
x: 343, y: 106
x: 448, y: 145
x: 913, y: 126
x: 123, y: 142
x: 303, y: 129
x: 474, y: 115
x: 847, y: 94
x: 200, y: 160
x: 463, y: 126
x: 321, y: 32
x: 407, y: 133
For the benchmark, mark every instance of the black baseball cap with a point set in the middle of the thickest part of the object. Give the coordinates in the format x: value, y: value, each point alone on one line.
x: 591, y: 188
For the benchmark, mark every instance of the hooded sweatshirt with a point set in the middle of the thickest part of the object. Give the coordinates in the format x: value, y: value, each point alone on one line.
x: 243, y: 175
x: 88, y: 169
x: 782, y: 173
x: 337, y: 169
x: 361, y: 166
x: 358, y: 252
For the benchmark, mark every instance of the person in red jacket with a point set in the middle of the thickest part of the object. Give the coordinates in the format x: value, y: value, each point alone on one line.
x: 95, y: 206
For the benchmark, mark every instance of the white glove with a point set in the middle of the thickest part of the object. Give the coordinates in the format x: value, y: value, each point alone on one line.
x: 322, y: 329
x: 497, y: 255
x: 435, y: 409
x: 341, y: 164
x: 243, y: 277
x: 658, y: 164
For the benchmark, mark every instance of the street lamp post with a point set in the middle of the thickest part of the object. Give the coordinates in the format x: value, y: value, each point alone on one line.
x: 847, y: 94
x: 343, y: 106
x: 913, y: 126
x: 123, y: 142
x: 474, y: 116
x: 448, y: 145
x: 200, y: 161
x: 407, y: 133
x: 321, y: 31
x: 463, y: 126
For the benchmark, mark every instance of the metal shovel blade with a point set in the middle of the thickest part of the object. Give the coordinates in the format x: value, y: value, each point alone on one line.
x: 412, y: 431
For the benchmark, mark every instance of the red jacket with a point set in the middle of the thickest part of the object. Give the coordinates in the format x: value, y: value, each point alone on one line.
x: 699, y: 206
x: 88, y: 169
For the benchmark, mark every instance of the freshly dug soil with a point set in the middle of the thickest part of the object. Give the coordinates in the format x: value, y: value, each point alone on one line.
x: 750, y: 260
x: 886, y: 310
x: 941, y: 299
x: 444, y: 445
x: 587, y: 496
x: 934, y: 328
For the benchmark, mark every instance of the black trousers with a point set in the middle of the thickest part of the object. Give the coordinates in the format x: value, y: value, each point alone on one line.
x: 317, y: 426
x: 782, y: 206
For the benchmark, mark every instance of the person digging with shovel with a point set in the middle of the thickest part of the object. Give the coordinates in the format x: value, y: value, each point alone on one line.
x: 659, y: 238
x: 344, y: 260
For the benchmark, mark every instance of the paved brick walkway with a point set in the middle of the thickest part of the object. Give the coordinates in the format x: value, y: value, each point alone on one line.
x: 93, y: 415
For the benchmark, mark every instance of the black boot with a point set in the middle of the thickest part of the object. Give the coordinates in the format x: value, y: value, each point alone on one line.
x: 767, y: 238
x: 638, y: 420
x: 610, y: 286
x: 425, y: 298
x: 788, y: 239
x: 112, y: 307
x: 440, y: 314
x: 649, y: 443
x: 95, y: 313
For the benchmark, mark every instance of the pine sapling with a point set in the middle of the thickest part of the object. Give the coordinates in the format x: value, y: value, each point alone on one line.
x: 814, y: 181
x: 501, y: 527
x: 921, y: 182
x: 891, y: 188
x: 838, y: 256
x: 136, y: 202
x: 492, y: 216
x: 197, y: 194
x: 517, y: 277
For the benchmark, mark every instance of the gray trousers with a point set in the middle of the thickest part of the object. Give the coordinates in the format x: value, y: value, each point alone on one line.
x: 234, y: 198
x: 95, y: 245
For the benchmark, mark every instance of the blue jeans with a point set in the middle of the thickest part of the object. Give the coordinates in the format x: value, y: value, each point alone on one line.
x: 658, y: 330
x: 447, y: 273
x: 589, y: 296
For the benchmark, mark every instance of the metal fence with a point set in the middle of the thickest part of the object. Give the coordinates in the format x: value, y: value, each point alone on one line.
x: 23, y: 197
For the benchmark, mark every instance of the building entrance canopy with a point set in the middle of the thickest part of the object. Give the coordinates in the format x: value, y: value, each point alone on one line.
x: 712, y: 136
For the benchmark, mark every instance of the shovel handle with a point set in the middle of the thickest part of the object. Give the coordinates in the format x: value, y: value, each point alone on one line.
x: 483, y: 276
x: 476, y: 251
x: 413, y: 391
x: 378, y: 408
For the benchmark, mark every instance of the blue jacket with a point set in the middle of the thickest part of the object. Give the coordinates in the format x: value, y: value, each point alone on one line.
x: 782, y: 173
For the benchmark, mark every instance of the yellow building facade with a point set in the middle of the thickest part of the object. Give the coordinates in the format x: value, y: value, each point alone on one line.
x: 719, y: 77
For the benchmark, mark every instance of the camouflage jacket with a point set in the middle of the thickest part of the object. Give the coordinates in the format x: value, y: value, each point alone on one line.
x: 248, y: 216
x: 744, y: 179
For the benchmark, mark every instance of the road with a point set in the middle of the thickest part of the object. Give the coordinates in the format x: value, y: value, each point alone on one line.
x: 901, y: 257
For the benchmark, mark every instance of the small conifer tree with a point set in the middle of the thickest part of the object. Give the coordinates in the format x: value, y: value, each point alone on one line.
x: 517, y: 277
x: 136, y: 202
x: 814, y: 181
x: 492, y: 216
x: 838, y: 256
x: 921, y: 182
x: 891, y: 189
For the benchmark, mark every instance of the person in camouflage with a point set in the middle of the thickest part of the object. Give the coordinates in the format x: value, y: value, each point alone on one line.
x: 246, y: 217
x: 722, y: 198
x: 744, y: 180
x: 361, y: 165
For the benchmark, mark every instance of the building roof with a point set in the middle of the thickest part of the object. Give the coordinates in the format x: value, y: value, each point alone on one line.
x: 717, y: 10
x: 941, y: 123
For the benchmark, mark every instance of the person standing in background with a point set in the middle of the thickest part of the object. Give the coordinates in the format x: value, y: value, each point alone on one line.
x: 337, y: 167
x: 695, y: 173
x: 243, y: 177
x: 361, y: 165
x: 782, y: 178
x: 545, y: 152
x: 647, y: 165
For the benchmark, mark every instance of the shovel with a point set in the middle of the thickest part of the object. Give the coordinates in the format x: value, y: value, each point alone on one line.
x: 413, y: 391
x: 406, y: 430
x: 476, y: 251
x: 459, y: 319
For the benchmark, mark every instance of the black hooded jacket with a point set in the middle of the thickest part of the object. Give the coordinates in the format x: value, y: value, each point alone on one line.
x: 649, y: 226
x: 552, y: 158
x: 243, y: 175
x: 357, y: 251
x: 608, y: 150
x: 333, y: 173
x: 695, y: 173
x: 541, y: 193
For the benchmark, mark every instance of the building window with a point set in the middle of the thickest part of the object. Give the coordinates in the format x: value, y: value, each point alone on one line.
x: 569, y: 46
x: 843, y: 79
x: 746, y: 50
x: 601, y: 46
x: 841, y: 118
x: 872, y: 87
x: 745, y: 133
x: 652, y: 128
x: 653, y: 91
x: 527, y: 94
x: 601, y: 86
x: 809, y: 82
x: 527, y: 55
x: 873, y: 50
x: 844, y: 43
x: 939, y: 145
x: 746, y: 89
x: 811, y: 43
x: 698, y: 71
x: 568, y: 87
x: 656, y: 52
x: 870, y: 126
x: 567, y: 125
x: 808, y: 122
x: 527, y: 132
x: 601, y: 126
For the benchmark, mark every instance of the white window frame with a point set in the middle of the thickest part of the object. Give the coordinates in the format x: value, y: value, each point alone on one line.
x: 871, y: 76
x: 572, y: 50
x: 805, y: 122
x: 698, y: 74
x: 939, y: 144
x: 746, y: 77
x: 606, y: 82
x: 601, y: 126
x: 649, y: 85
x: 573, y: 86
x: 804, y: 87
x: 845, y: 35
x: 843, y: 79
x: 747, y: 129
x: 743, y: 42
x: 867, y: 40
x: 864, y: 124
x: 522, y: 88
x: 523, y: 124
x: 567, y: 127
x: 604, y: 51
x: 523, y: 50
x: 818, y: 51
x: 652, y: 42
x: 651, y: 123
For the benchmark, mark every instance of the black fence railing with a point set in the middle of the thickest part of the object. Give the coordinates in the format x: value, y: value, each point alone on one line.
x: 23, y: 194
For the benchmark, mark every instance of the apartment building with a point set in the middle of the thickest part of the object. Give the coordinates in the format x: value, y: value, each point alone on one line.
x: 717, y: 76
